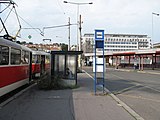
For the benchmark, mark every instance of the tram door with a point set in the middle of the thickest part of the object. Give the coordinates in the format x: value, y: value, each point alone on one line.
x: 42, y: 64
x: 30, y: 67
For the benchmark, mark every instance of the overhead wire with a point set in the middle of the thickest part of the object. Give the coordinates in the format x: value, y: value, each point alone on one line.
x: 6, y: 18
x: 5, y: 8
x: 31, y: 27
x: 25, y: 21
x: 18, y: 22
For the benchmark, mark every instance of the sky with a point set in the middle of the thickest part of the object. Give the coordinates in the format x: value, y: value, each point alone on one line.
x: 113, y: 16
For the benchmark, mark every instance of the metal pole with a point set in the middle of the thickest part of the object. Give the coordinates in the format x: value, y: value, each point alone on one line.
x: 152, y: 28
x: 152, y: 31
x: 77, y: 27
x: 69, y: 32
x: 142, y: 63
x: 95, y: 67
x: 103, y: 67
x: 80, y: 31
x: 139, y: 62
x: 76, y: 3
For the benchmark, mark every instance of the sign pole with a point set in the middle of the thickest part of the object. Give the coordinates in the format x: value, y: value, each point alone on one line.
x: 99, y: 43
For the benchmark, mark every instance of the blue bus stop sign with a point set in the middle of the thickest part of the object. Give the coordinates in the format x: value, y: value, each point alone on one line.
x: 99, y: 35
x: 99, y: 38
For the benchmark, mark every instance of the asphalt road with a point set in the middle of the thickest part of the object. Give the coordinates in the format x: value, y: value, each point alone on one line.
x: 140, y: 91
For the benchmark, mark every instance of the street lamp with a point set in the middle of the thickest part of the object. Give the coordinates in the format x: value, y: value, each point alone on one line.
x: 152, y: 27
x: 78, y: 4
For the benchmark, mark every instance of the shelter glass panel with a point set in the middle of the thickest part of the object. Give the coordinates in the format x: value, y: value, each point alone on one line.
x: 71, y: 67
x: 59, y: 64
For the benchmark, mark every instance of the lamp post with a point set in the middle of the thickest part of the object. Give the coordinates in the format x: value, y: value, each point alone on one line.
x: 152, y: 27
x: 78, y: 4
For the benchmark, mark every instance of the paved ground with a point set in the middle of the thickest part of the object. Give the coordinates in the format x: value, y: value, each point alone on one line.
x: 90, y: 107
x: 39, y: 105
x: 77, y: 104
x: 142, y: 93
x: 138, y: 89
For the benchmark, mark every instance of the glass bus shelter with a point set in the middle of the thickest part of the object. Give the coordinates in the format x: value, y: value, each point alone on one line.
x: 65, y: 64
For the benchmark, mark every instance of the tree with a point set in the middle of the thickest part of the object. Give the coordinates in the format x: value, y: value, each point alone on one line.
x: 31, y: 43
x: 23, y: 42
x: 64, y: 47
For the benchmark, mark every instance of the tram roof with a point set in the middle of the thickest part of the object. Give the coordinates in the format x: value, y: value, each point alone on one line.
x: 9, y: 43
x: 39, y: 53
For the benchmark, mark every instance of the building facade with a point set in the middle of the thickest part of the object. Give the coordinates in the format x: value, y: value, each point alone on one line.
x: 156, y: 45
x: 117, y: 42
x: 44, y: 47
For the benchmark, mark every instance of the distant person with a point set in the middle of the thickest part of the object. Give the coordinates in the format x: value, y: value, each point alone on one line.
x: 69, y: 73
x: 135, y: 65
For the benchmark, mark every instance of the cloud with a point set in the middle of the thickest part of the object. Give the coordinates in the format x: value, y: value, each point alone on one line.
x: 115, y: 16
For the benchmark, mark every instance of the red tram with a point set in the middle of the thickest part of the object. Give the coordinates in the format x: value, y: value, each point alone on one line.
x: 19, y: 64
x: 40, y: 63
x: 15, y: 65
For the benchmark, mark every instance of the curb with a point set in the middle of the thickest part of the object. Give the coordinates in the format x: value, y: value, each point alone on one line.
x: 15, y: 96
x: 127, y: 108
x: 156, y: 73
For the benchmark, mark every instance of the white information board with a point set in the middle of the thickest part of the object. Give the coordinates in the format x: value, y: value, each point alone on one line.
x: 99, y: 67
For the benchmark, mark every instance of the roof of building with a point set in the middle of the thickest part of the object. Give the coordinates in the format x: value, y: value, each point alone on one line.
x: 119, y: 35
x: 123, y: 53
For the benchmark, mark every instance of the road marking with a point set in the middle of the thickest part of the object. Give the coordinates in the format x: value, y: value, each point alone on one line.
x: 152, y: 88
x: 88, y: 74
x: 137, y: 84
x: 148, y: 72
x: 140, y: 97
x: 117, y: 76
x: 127, y: 108
x: 125, y: 89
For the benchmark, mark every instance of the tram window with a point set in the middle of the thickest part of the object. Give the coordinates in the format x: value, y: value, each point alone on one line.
x: 47, y: 59
x: 15, y: 56
x: 25, y: 57
x: 4, y: 55
x: 33, y: 58
x: 38, y: 60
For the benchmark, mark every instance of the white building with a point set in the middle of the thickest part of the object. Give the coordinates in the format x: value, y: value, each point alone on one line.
x: 156, y: 45
x: 117, y: 42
